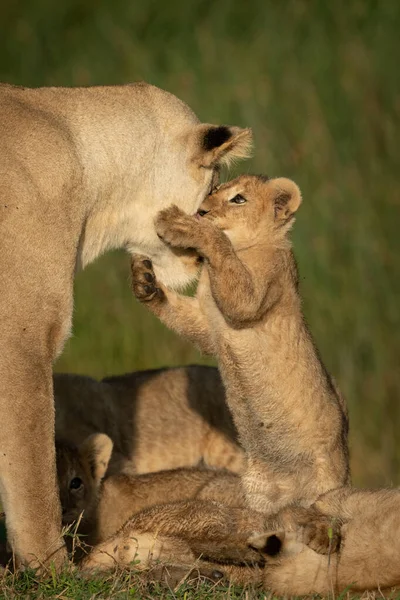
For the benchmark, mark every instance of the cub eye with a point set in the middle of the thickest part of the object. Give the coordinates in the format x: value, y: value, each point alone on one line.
x: 238, y: 199
x: 75, y: 483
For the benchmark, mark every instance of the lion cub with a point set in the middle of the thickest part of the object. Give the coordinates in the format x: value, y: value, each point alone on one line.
x: 80, y: 471
x: 157, y: 419
x: 291, y: 420
x: 102, y: 505
x: 348, y: 539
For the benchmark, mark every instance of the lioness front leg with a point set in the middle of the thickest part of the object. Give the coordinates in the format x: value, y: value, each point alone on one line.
x: 240, y: 295
x: 29, y: 490
x: 178, y: 312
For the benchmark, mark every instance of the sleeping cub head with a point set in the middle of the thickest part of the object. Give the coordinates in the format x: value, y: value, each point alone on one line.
x: 80, y: 471
x: 253, y: 206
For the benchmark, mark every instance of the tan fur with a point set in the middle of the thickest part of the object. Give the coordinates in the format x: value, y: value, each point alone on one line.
x: 102, y: 509
x: 80, y: 470
x: 158, y: 419
x: 104, y: 505
x: 203, y: 528
x: 346, y: 540
x: 291, y: 420
x: 368, y: 521
x: 82, y: 170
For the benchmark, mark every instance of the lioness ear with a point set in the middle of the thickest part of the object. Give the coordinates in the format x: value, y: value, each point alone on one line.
x: 96, y: 450
x: 221, y: 144
x: 287, y: 198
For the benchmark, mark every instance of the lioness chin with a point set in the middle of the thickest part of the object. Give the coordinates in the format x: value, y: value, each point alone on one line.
x: 292, y: 422
x: 82, y: 171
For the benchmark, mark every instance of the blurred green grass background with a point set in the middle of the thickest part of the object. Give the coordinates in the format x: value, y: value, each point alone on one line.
x: 319, y: 83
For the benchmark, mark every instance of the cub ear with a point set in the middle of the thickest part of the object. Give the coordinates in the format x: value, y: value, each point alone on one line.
x: 287, y: 198
x: 221, y: 144
x: 96, y: 450
x: 269, y: 543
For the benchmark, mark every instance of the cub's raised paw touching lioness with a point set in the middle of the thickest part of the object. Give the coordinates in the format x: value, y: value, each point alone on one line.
x: 292, y: 421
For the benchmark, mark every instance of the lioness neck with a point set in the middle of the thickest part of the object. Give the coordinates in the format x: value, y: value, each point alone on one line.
x: 120, y: 149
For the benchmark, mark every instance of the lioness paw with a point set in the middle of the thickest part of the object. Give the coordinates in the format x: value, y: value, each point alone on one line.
x: 144, y: 283
x: 177, y: 228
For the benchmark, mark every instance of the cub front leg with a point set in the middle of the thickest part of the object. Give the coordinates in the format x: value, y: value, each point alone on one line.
x: 180, y: 313
x: 241, y: 296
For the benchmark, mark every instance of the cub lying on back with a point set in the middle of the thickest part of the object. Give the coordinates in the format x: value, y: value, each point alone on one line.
x: 157, y: 419
x: 347, y: 540
x: 291, y: 420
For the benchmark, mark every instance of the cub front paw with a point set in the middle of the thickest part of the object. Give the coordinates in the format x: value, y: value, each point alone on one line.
x: 322, y: 534
x: 177, y: 228
x: 144, y: 282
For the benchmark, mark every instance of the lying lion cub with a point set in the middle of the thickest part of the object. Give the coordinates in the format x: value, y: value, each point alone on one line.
x: 300, y: 548
x: 157, y: 419
x: 102, y: 506
x: 205, y: 516
x: 291, y: 420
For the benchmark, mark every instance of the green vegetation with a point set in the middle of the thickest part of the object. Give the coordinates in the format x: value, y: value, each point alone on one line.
x: 71, y: 585
x: 319, y: 83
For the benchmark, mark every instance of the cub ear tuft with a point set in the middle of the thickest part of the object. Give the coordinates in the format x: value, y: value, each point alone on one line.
x: 268, y: 543
x: 287, y: 198
x: 221, y: 144
x: 96, y: 450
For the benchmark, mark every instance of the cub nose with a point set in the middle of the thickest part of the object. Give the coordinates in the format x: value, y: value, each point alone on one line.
x: 202, y: 212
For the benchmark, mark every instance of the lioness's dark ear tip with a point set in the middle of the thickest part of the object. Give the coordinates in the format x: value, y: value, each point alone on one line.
x: 215, y: 137
x: 217, y: 145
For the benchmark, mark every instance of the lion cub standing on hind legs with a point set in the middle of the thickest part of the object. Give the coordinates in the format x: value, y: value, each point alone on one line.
x: 291, y: 420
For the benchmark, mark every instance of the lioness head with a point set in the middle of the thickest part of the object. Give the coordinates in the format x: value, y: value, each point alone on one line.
x: 80, y: 471
x: 253, y: 207
x: 186, y: 170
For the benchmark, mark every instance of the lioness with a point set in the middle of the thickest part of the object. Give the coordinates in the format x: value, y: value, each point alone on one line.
x: 83, y: 170
x: 158, y: 419
x: 291, y: 420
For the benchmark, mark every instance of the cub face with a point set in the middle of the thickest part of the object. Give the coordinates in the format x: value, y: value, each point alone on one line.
x: 80, y: 471
x: 251, y: 206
